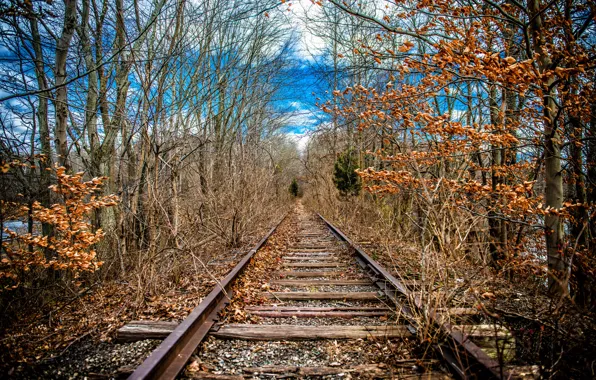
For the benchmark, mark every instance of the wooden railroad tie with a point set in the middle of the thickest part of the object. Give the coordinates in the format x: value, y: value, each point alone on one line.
x: 294, y: 332
x: 313, y: 250
x: 312, y: 246
x: 310, y: 254
x: 320, y: 282
x: 311, y: 274
x: 496, y: 341
x: 296, y: 371
x: 483, y: 330
x: 204, y: 375
x: 305, y: 296
x: 139, y: 330
x: 313, y: 265
x: 316, y: 308
x: 318, y: 258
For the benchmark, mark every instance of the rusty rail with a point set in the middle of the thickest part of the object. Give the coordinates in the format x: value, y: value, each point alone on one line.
x: 170, y: 357
x: 467, y: 359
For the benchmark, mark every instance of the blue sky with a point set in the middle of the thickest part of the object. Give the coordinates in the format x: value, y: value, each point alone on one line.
x: 298, y: 99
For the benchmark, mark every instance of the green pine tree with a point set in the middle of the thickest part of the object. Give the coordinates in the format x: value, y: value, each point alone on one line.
x: 294, y: 188
x: 345, y: 178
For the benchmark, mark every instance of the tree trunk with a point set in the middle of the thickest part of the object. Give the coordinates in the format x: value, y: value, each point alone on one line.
x: 579, y: 229
x: 497, y: 228
x: 591, y: 165
x: 62, y: 47
x: 92, y: 93
x: 45, y: 162
x: 552, y: 160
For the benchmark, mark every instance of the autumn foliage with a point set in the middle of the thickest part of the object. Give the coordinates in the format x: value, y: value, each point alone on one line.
x: 69, y: 246
x: 488, y: 111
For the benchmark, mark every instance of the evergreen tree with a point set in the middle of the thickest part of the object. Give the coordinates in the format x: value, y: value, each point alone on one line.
x: 345, y: 178
x: 294, y: 188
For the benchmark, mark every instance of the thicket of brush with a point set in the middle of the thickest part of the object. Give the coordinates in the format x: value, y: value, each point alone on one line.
x: 173, y: 112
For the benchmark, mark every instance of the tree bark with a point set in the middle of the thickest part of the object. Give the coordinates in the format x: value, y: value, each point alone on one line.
x: 552, y: 160
x: 45, y: 162
x: 497, y: 228
x: 61, y: 105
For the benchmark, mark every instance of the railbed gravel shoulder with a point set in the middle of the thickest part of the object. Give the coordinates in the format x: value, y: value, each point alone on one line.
x: 319, y: 321
x: 89, y: 359
x: 231, y: 357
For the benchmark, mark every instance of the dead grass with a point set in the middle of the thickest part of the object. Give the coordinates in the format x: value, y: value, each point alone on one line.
x: 101, y: 307
x: 557, y: 336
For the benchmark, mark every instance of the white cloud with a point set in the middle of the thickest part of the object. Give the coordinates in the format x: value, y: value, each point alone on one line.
x: 297, y: 105
x: 301, y: 139
x: 302, y: 119
x: 310, y: 45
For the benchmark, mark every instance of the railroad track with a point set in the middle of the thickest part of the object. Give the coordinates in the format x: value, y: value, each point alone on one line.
x: 326, y: 290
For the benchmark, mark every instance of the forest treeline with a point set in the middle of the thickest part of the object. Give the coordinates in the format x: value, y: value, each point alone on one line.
x: 473, y: 124
x: 166, y: 105
x: 461, y: 147
x: 464, y: 127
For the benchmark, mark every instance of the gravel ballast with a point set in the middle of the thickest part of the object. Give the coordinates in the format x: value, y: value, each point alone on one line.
x: 233, y: 356
x: 90, y: 359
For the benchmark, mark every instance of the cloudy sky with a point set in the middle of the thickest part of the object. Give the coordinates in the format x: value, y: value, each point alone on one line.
x: 298, y: 98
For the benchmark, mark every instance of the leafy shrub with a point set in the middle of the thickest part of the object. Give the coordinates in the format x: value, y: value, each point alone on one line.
x: 69, y: 248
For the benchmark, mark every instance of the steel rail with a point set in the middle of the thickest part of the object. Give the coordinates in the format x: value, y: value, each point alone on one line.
x: 467, y: 359
x: 170, y: 357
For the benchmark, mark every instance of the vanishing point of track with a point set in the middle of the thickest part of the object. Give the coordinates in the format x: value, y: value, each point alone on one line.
x: 319, y: 260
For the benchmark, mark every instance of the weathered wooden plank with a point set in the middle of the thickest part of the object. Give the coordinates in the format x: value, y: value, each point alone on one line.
x: 313, y: 250
x: 424, y: 376
x: 311, y: 247
x: 376, y: 370
x: 320, y: 282
x: 483, y: 330
x: 315, y: 243
x: 526, y: 372
x: 296, y: 332
x: 313, y: 265
x: 316, y: 308
x: 311, y: 274
x: 323, y: 295
x: 203, y: 375
x: 496, y: 341
x: 311, y: 254
x: 319, y: 258
x: 140, y: 330
x: 322, y: 314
